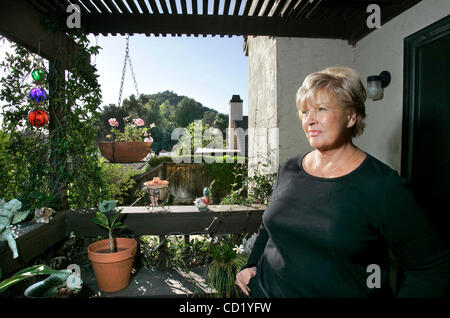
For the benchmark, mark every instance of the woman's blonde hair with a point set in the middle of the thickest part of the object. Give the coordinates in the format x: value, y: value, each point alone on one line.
x: 344, y: 84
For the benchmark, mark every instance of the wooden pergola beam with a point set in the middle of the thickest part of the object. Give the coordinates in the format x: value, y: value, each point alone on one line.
x: 209, y: 24
x: 23, y: 24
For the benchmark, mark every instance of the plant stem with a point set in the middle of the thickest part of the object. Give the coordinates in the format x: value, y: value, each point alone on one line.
x: 112, y: 248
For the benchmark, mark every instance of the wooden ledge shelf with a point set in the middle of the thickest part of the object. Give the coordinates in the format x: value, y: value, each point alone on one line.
x: 175, y: 219
x: 32, y: 239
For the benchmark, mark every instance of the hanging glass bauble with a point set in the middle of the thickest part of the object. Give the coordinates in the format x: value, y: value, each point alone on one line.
x: 38, y: 94
x: 38, y: 74
x: 38, y: 117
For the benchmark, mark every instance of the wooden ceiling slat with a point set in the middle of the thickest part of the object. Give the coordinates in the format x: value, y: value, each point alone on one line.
x: 258, y: 7
x: 183, y: 7
x: 299, y: 8
x: 132, y: 6
x: 39, y: 6
x: 276, y: 8
x: 226, y: 7
x: 90, y: 6
x: 267, y: 6
x: 237, y: 7
x: 59, y: 6
x: 101, y: 6
x: 216, y: 7
x: 173, y: 6
x: 194, y: 7
x: 287, y: 8
x: 143, y: 6
x: 313, y: 8
x: 205, y: 7
x: 248, y: 5
x: 153, y: 6
x: 111, y: 6
x: 122, y: 6
x: 82, y: 7
x: 52, y: 7
x: 164, y: 6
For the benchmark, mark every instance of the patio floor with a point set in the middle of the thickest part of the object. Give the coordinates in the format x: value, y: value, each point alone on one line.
x: 145, y: 282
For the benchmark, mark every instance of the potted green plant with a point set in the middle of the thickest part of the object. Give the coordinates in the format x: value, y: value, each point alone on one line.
x: 112, y: 259
x: 227, y: 260
x: 131, y: 145
x: 59, y: 283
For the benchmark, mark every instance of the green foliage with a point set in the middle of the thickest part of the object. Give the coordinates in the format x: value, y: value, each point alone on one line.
x: 110, y: 224
x: 223, y: 268
x: 27, y: 273
x: 57, y: 165
x: 119, y: 179
x: 223, y: 178
x: 256, y: 189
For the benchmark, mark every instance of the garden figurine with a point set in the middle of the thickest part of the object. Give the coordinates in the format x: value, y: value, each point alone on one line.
x: 202, y: 203
x: 9, y: 214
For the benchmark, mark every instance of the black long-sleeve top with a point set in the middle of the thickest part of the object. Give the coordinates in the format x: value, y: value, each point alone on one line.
x: 318, y: 236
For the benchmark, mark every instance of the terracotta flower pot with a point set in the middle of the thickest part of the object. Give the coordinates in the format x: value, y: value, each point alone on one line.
x: 112, y: 270
x: 124, y: 151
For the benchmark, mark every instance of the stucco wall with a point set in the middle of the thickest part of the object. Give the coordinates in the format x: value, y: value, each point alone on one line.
x: 262, y: 105
x: 383, y: 50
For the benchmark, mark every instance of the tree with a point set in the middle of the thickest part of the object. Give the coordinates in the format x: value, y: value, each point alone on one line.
x: 209, y: 117
x: 221, y: 122
x: 187, y: 111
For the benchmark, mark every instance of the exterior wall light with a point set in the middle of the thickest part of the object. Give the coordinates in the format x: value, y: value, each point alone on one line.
x: 376, y: 85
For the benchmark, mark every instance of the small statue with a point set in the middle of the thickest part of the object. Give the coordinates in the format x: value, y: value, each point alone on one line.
x: 43, y: 215
x: 202, y: 203
x: 9, y: 214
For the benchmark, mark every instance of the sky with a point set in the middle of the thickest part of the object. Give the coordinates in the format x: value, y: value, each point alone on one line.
x: 207, y: 69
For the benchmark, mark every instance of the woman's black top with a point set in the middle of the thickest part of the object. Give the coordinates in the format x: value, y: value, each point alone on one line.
x: 319, y: 235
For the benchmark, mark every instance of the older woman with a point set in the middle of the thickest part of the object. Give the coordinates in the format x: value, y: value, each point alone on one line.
x: 335, y: 211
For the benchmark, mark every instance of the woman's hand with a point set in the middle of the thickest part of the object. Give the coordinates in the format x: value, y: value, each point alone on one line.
x: 243, y: 278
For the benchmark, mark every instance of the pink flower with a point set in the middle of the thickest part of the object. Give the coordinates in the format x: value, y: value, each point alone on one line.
x: 113, y: 122
x: 149, y: 139
x: 146, y: 134
x: 138, y: 122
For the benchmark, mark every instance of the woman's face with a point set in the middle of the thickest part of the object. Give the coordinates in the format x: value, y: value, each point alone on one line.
x: 327, y: 125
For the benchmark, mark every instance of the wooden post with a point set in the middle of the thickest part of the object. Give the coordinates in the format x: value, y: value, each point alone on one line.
x: 57, y: 108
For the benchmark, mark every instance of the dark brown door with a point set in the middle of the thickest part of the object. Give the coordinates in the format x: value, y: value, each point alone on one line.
x: 426, y: 121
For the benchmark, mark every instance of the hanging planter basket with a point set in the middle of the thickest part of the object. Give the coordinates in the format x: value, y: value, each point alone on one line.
x: 124, y: 151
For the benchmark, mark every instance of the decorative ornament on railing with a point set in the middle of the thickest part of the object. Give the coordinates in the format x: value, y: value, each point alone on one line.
x: 38, y: 117
x: 38, y: 95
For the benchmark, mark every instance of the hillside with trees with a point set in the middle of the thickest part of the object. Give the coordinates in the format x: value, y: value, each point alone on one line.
x: 167, y: 110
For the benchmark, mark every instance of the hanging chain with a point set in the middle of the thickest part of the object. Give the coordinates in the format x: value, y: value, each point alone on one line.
x: 127, y: 59
x: 134, y: 77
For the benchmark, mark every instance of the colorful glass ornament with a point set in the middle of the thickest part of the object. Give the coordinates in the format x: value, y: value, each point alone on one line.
x: 38, y: 94
x: 38, y: 117
x: 38, y: 74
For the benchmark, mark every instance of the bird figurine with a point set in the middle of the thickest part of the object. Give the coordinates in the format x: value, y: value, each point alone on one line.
x: 202, y: 203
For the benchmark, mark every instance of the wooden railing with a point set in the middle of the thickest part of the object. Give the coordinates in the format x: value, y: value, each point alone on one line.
x: 33, y: 239
x: 175, y: 219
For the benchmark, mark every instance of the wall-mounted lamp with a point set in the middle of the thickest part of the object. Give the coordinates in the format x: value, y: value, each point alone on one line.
x: 376, y: 83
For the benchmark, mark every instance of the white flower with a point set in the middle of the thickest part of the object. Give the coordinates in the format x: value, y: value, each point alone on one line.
x: 239, y: 249
x: 74, y: 282
x: 248, y: 244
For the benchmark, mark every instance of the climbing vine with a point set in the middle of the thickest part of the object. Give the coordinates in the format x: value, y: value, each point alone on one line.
x: 56, y: 165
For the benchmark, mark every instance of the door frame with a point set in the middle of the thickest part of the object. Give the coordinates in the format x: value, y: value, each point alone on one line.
x: 411, y: 99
